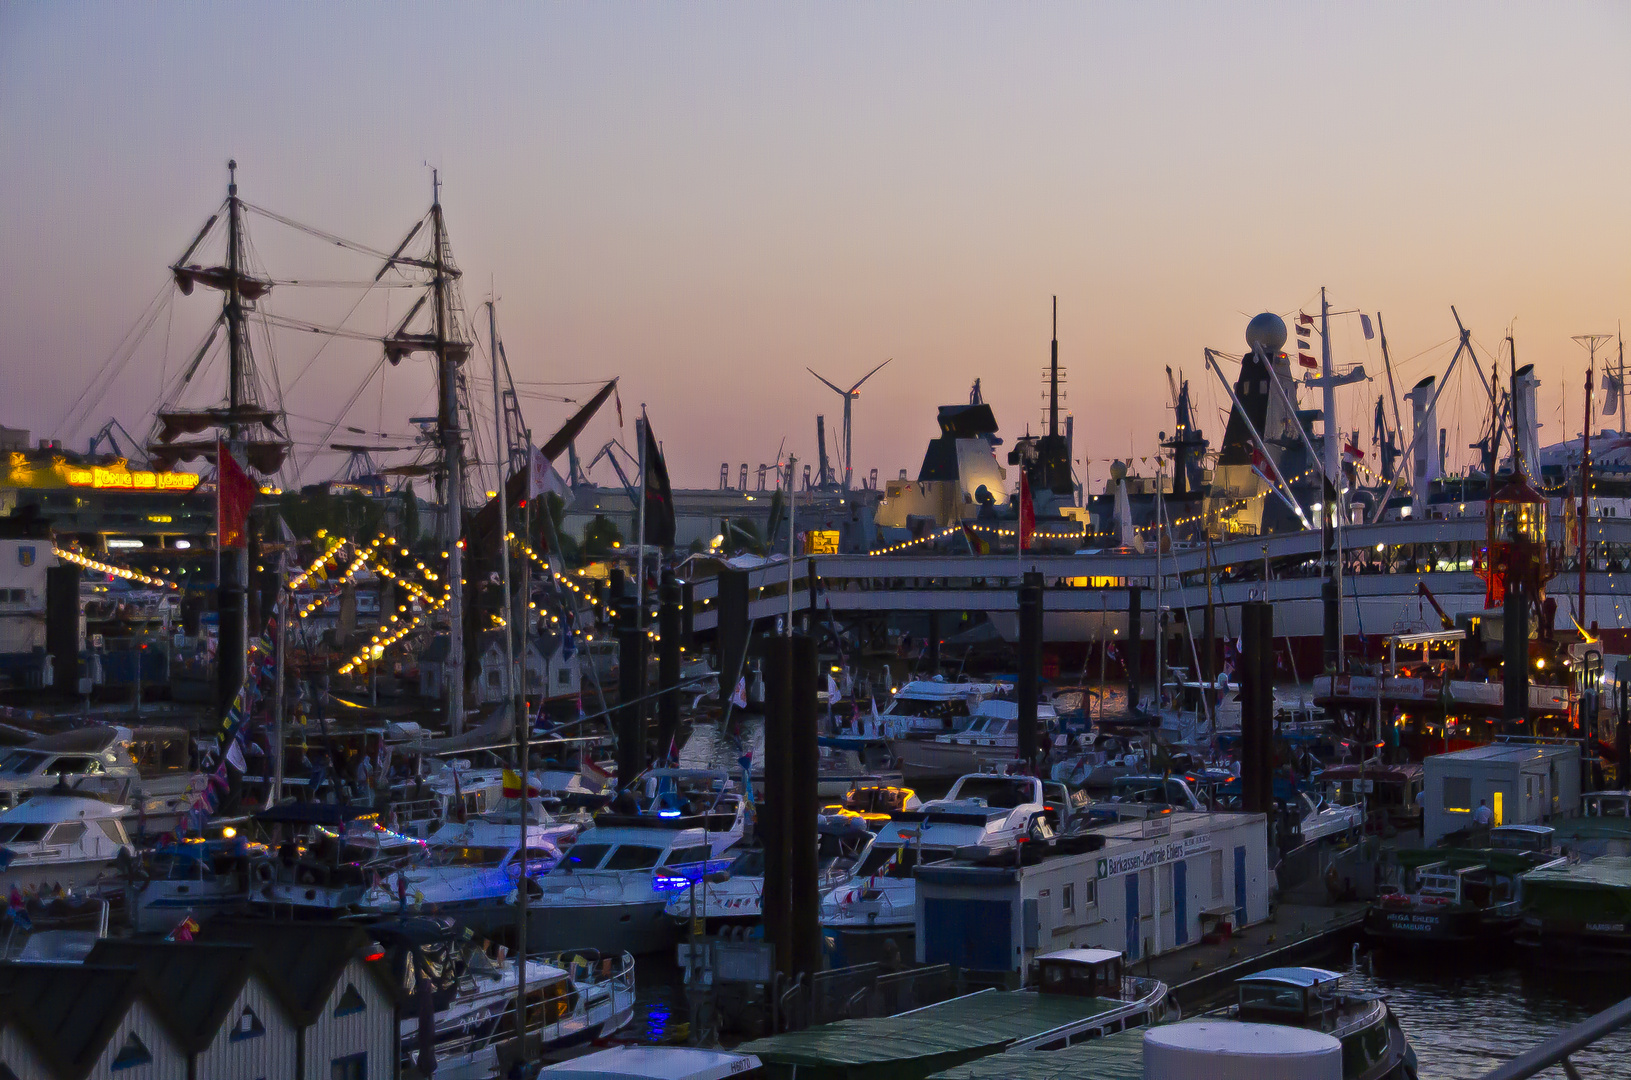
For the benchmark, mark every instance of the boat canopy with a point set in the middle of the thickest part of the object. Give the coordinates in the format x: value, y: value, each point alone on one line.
x: 653, y: 1063
x: 1114, y: 1057
x: 1595, y: 891
x: 1508, y: 863
x: 925, y: 1041
x: 1294, y: 976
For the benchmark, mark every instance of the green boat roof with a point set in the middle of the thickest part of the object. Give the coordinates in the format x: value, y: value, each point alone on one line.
x: 1114, y: 1057
x: 915, y: 1044
x: 1499, y: 860
x: 1608, y: 872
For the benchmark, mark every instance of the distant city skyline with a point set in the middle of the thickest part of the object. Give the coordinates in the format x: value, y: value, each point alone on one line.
x: 706, y: 200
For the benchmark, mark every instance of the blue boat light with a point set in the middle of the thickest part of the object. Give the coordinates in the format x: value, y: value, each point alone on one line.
x: 668, y: 813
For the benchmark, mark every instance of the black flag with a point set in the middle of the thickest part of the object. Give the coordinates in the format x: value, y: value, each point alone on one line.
x: 659, y: 496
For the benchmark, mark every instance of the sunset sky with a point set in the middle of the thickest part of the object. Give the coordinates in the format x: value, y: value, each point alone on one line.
x: 704, y: 199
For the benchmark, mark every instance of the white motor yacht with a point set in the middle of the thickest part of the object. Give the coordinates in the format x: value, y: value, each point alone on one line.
x: 473, y: 868
x: 570, y: 1001
x: 59, y: 839
x: 610, y: 889
x: 929, y: 707
x: 991, y: 738
x: 146, y: 768
x: 735, y: 896
x: 983, y: 813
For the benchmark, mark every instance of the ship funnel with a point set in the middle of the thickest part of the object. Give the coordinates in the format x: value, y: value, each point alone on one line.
x: 1424, y: 456
x: 1524, y: 423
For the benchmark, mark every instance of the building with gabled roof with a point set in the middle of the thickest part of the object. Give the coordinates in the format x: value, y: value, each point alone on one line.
x: 86, y: 1022
x: 340, y: 995
x: 232, y: 1018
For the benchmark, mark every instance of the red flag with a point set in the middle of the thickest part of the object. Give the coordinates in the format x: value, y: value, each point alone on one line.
x: 1027, y: 512
x: 234, y: 493
x: 1307, y: 361
x: 1353, y: 451
x: 1306, y: 320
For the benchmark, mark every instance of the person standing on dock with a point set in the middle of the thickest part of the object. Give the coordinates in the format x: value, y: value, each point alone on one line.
x: 1483, y: 815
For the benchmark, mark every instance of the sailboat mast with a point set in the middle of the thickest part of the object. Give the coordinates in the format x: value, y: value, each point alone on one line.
x: 447, y: 418
x: 234, y: 306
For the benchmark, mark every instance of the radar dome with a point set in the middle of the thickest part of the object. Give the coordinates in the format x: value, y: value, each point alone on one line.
x: 1267, y: 332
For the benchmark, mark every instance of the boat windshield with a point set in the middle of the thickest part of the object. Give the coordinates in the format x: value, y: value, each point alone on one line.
x: 1272, y: 996
x: 584, y: 857
x: 1002, y: 792
x: 21, y: 763
x: 893, y: 862
x: 23, y: 834
x: 472, y: 856
x: 634, y: 857
x: 928, y: 709
x: 749, y: 864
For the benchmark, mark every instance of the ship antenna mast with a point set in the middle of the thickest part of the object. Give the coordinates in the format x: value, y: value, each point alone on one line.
x: 1053, y: 375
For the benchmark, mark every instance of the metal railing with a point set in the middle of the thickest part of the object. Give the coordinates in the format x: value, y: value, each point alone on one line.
x: 1556, y: 1050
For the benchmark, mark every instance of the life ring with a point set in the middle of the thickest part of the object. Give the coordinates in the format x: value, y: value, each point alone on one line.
x: 263, y: 872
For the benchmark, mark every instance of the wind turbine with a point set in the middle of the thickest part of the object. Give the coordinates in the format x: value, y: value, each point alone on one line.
x: 849, y: 396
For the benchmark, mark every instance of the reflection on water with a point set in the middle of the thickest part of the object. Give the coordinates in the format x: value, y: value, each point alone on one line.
x: 1466, y: 1018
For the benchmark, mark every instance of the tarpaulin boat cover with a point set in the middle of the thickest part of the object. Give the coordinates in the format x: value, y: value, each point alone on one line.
x: 1596, y: 891
x: 1114, y: 1057
x: 916, y: 1044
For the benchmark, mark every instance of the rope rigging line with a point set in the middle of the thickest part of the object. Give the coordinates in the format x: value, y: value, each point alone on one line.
x: 127, y: 346
x: 321, y: 234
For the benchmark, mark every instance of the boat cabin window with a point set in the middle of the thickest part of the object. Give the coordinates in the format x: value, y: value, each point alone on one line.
x: 23, y: 834
x: 633, y: 857
x: 943, y: 710
x: 69, y: 832
x: 696, y: 853
x: 21, y: 763
x: 1081, y: 980
x: 750, y: 863
x: 1001, y: 792
x: 473, y: 856
x: 585, y: 856
x: 75, y: 765
x: 876, y: 861
x: 114, y: 830
x: 1271, y: 997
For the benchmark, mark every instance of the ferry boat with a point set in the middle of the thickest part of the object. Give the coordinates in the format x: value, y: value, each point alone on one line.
x: 1458, y: 898
x: 982, y: 813
x: 570, y: 1001
x: 611, y: 888
x: 1578, y: 918
x: 1374, y: 1046
x: 61, y: 839
x: 990, y: 737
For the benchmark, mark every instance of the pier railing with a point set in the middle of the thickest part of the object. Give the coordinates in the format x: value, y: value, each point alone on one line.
x: 1556, y: 1050
x: 864, y: 990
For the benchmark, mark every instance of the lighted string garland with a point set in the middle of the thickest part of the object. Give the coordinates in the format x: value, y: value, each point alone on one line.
x: 108, y: 568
